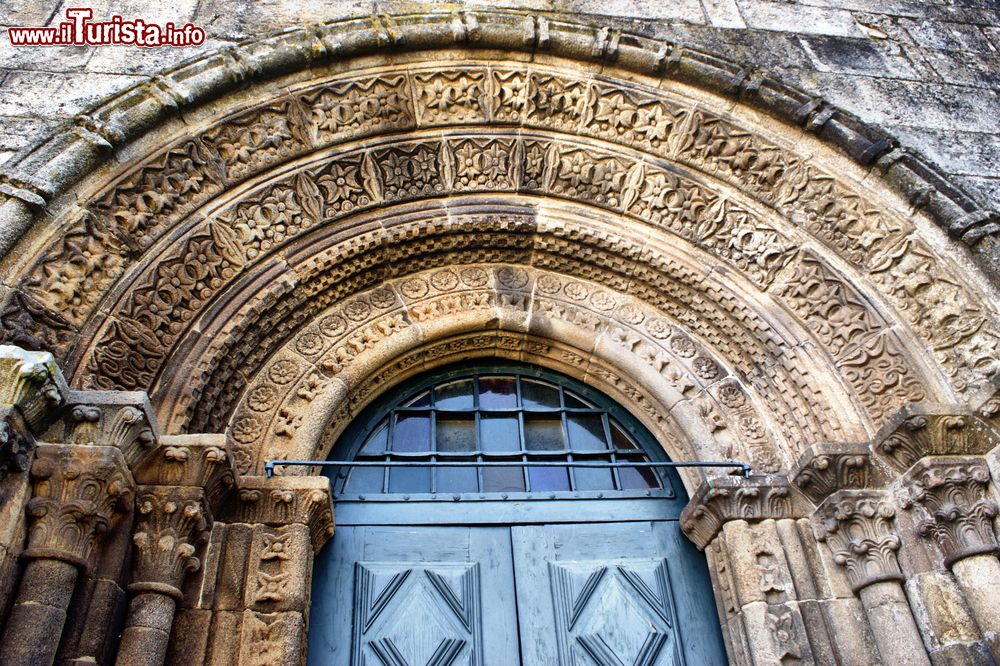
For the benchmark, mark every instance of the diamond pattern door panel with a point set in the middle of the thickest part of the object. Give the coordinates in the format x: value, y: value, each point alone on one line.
x: 394, y: 596
x: 614, y: 594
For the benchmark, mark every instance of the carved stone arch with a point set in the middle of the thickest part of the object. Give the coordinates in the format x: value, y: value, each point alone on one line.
x: 267, y: 237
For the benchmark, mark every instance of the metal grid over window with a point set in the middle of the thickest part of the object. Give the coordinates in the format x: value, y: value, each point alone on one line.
x: 485, y: 417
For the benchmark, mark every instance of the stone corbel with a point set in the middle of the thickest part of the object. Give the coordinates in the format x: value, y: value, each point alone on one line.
x: 721, y: 499
x: 824, y: 469
x: 919, y: 430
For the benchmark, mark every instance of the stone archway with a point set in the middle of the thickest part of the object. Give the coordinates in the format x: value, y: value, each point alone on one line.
x: 751, y: 272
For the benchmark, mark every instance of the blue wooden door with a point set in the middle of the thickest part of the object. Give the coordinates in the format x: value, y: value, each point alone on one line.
x: 612, y: 594
x: 415, y: 596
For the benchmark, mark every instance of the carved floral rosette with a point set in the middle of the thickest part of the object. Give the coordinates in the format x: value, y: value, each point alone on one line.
x: 951, y: 501
x: 859, y: 529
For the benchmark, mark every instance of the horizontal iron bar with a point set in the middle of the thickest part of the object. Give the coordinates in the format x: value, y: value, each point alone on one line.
x: 271, y: 464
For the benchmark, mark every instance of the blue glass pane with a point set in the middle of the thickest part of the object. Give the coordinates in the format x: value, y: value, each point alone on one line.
x: 456, y: 433
x: 619, y: 439
x: 586, y: 432
x: 539, y: 395
x: 376, y: 442
x: 543, y: 432
x: 412, y: 433
x: 454, y: 395
x: 497, y: 393
x: 499, y: 432
x: 458, y: 479
x: 593, y: 478
x: 503, y: 479
x: 365, y: 480
x: 637, y: 478
x: 409, y: 479
x: 548, y: 478
x: 573, y: 401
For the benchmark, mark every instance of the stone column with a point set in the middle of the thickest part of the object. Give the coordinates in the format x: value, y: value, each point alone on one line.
x: 169, y: 522
x: 857, y: 526
x: 76, y: 490
x: 31, y: 392
x: 948, y: 497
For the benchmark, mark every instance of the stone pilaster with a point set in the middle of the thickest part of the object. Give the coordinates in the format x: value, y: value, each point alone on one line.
x: 858, y: 528
x: 76, y: 492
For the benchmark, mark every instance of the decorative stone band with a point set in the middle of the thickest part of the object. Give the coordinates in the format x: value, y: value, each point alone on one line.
x: 951, y: 506
x: 31, y: 382
x: 284, y: 500
x: 721, y: 499
x: 919, y: 430
x: 858, y: 527
x: 76, y: 491
x: 171, y: 522
x: 200, y: 461
x: 824, y: 469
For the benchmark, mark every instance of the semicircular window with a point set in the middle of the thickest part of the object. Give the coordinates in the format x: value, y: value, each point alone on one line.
x: 504, y: 431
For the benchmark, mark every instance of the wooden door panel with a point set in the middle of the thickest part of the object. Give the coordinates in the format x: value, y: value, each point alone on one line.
x: 607, y: 595
x: 404, y: 596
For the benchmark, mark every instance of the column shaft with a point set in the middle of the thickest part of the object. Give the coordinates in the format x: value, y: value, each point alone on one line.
x: 979, y: 577
x: 147, y: 630
x: 892, y: 624
x: 36, y: 622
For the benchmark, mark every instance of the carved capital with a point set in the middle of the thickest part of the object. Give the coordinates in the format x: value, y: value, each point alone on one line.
x: 859, y: 529
x: 949, y: 499
x: 721, y: 499
x: 76, y: 491
x: 123, y: 419
x: 919, y: 430
x: 285, y: 500
x: 824, y: 469
x: 171, y: 521
x: 31, y: 382
x: 200, y: 460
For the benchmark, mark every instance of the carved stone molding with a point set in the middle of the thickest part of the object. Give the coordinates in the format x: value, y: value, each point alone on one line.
x: 76, y: 492
x: 171, y: 522
x: 859, y: 529
x: 200, y: 461
x: 919, y: 430
x: 824, y: 469
x: 284, y: 500
x: 950, y: 499
x: 721, y: 499
x: 31, y: 382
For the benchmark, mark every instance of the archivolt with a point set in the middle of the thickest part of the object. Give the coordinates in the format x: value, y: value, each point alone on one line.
x: 219, y: 245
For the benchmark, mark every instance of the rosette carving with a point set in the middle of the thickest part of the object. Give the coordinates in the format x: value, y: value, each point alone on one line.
x: 858, y: 528
x: 77, y: 491
x: 949, y: 499
x: 171, y: 522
